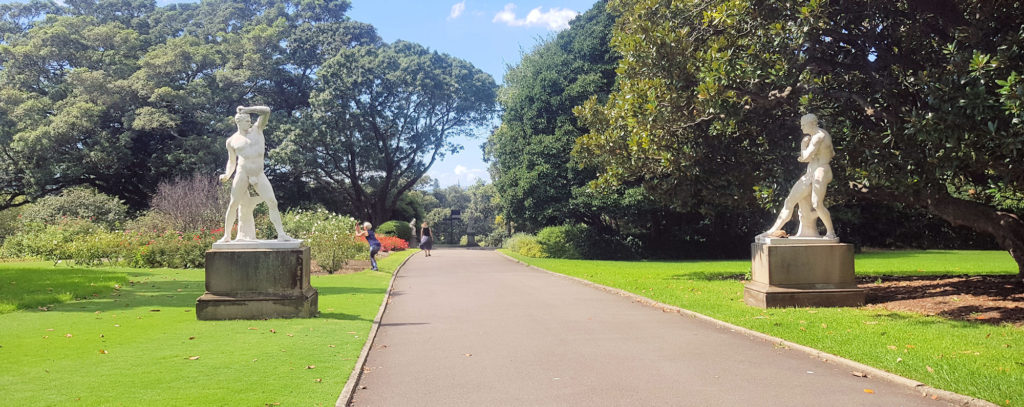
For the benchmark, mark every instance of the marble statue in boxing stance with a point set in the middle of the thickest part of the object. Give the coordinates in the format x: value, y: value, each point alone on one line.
x: 246, y: 149
x: 809, y: 191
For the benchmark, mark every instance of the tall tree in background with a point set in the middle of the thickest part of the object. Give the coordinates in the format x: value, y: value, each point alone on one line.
x: 381, y: 116
x: 923, y: 99
x: 121, y: 95
x: 540, y: 184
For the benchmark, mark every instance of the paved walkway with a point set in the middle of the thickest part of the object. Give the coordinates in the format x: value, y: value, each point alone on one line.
x: 472, y: 328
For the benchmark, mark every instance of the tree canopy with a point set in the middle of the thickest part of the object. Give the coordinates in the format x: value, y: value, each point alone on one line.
x: 122, y: 95
x: 923, y: 100
x: 380, y: 117
x: 533, y: 171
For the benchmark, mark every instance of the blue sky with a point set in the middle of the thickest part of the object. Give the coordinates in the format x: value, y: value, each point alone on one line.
x: 489, y: 34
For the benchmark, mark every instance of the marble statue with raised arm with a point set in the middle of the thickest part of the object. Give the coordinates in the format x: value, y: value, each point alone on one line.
x: 809, y: 191
x: 246, y: 149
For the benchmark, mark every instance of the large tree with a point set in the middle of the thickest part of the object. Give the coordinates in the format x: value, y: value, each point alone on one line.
x: 381, y: 116
x: 123, y: 94
x: 539, y: 182
x: 923, y: 99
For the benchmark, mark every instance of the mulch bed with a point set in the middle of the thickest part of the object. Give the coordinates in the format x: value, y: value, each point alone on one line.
x: 989, y: 299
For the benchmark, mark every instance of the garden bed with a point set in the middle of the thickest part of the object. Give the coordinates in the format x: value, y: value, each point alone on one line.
x: 991, y: 299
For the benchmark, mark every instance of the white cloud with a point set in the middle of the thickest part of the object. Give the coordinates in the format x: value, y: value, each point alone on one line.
x: 555, y: 19
x: 457, y: 10
x: 467, y: 176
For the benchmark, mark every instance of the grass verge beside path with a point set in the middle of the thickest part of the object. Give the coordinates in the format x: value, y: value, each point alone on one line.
x: 142, y: 345
x: 971, y: 358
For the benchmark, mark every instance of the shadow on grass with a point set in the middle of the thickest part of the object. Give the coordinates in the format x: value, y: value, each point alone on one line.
x: 349, y: 290
x: 341, y: 316
x: 711, y: 276
x: 33, y: 286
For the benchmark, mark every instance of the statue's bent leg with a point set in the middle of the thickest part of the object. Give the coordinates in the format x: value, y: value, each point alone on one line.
x: 799, y: 191
x: 266, y: 192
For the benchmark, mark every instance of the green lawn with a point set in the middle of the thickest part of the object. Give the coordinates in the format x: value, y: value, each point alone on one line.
x: 971, y: 358
x: 129, y: 337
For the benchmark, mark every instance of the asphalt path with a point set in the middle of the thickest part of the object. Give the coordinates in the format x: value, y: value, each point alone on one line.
x: 473, y: 328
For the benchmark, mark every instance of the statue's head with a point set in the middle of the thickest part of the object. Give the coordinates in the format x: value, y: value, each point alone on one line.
x: 243, y: 121
x: 808, y: 122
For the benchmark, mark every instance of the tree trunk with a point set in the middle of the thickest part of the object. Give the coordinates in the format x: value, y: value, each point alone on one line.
x: 1007, y: 228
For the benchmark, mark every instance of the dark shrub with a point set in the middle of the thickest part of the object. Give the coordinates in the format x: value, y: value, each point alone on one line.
x: 396, y: 228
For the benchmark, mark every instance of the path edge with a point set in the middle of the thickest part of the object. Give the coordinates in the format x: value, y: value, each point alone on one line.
x: 925, y: 390
x: 357, y: 371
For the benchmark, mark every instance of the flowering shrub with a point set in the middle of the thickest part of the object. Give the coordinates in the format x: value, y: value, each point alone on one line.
x: 330, y: 236
x: 392, y: 243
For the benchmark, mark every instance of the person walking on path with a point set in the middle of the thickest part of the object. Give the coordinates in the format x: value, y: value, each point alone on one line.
x: 371, y: 238
x: 426, y: 239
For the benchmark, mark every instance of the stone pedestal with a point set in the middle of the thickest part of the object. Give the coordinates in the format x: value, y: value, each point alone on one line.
x: 255, y: 283
x: 802, y: 275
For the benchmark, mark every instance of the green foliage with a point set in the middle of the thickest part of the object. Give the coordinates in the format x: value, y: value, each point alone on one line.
x: 79, y: 202
x: 583, y: 242
x: 52, y: 242
x: 330, y: 236
x: 539, y: 182
x: 397, y: 228
x: 706, y: 107
x: 376, y: 153
x: 10, y: 221
x: 562, y: 242
x: 524, y: 244
x: 495, y: 239
x: 123, y: 95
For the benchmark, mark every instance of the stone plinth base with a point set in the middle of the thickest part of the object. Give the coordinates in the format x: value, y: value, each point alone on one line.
x: 793, y: 275
x: 257, y: 284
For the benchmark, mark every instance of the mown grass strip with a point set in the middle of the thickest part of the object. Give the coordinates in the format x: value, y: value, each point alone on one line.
x: 140, y: 344
x: 971, y: 358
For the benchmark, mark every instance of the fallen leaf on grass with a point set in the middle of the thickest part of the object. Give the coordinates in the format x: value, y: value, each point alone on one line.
x: 911, y: 346
x: 191, y: 338
x: 824, y: 325
x: 898, y: 360
x: 930, y: 370
x: 67, y: 335
x: 311, y: 367
x: 870, y: 322
x: 869, y: 391
x: 154, y: 310
x: 330, y: 346
x: 891, y: 347
x: 273, y: 331
x: 318, y: 380
x: 103, y: 352
x: 290, y: 335
x: 351, y: 332
x: 859, y: 374
x: 193, y: 358
x: 252, y: 328
x: 49, y: 329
